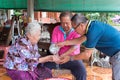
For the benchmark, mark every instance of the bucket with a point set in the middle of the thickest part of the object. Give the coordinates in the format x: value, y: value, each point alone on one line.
x: 56, y: 79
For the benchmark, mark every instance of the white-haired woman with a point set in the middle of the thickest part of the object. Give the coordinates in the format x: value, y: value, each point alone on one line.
x: 23, y: 57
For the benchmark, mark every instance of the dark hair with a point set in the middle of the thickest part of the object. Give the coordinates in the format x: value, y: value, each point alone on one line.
x: 79, y: 18
x: 67, y: 13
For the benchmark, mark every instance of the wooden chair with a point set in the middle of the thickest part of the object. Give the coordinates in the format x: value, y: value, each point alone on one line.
x: 4, y: 51
x: 5, y: 36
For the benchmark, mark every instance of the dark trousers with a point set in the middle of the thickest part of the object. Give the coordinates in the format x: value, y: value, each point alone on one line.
x: 77, y: 68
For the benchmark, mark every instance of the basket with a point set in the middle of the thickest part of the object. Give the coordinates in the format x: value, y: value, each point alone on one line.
x: 63, y: 73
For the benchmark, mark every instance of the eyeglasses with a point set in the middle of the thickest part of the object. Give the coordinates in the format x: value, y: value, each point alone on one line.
x: 76, y: 26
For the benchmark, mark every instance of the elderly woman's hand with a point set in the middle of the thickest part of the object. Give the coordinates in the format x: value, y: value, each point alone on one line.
x: 46, y: 59
x: 56, y: 59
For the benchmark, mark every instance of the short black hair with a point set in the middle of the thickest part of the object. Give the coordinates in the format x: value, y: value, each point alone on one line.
x: 66, y: 13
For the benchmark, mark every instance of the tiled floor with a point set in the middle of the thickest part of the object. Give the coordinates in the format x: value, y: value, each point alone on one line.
x: 93, y: 73
x: 98, y: 73
x: 3, y: 75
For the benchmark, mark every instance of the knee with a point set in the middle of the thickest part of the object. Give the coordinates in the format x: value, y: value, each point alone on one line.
x: 80, y: 74
x: 80, y: 70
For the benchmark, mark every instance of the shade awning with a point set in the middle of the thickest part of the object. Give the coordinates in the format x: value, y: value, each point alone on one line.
x: 13, y: 4
x: 65, y: 5
x: 77, y: 5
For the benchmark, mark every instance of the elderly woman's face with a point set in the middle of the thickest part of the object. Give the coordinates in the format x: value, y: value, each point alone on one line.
x: 66, y: 23
x: 35, y: 37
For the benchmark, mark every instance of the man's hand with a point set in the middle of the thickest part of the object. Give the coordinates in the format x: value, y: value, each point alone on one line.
x: 64, y: 59
x: 63, y: 55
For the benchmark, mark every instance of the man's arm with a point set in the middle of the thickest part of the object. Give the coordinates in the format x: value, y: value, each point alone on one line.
x: 73, y: 41
x: 66, y: 56
x: 48, y: 58
x: 68, y: 52
x: 84, y: 55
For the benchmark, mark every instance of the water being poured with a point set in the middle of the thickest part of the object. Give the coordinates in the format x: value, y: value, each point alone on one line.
x: 54, y: 49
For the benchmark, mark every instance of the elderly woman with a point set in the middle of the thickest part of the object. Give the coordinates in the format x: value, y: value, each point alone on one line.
x: 23, y: 57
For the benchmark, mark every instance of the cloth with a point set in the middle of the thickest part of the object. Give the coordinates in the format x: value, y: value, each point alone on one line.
x: 22, y: 55
x: 59, y: 35
x: 40, y: 73
x: 103, y: 37
x: 115, y: 61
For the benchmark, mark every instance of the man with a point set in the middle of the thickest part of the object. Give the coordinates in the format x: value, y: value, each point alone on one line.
x: 97, y: 35
x: 66, y: 32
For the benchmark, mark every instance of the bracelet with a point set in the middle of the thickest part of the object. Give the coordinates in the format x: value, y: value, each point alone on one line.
x: 71, y: 58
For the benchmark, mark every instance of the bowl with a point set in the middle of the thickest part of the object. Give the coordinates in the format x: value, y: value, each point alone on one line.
x: 56, y: 79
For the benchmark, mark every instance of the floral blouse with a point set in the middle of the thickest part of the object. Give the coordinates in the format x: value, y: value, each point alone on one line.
x: 22, y: 55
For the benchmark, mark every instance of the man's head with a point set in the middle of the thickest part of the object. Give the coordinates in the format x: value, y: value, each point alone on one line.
x: 65, y: 19
x: 79, y: 23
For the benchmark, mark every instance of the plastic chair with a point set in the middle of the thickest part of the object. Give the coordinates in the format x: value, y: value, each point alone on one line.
x: 95, y: 58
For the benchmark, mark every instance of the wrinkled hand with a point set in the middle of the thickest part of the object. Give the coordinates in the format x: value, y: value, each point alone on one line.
x: 64, y: 59
x: 50, y: 58
x: 46, y: 59
x: 56, y: 59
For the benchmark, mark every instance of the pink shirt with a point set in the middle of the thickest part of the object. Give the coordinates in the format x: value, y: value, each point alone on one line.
x: 59, y: 35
